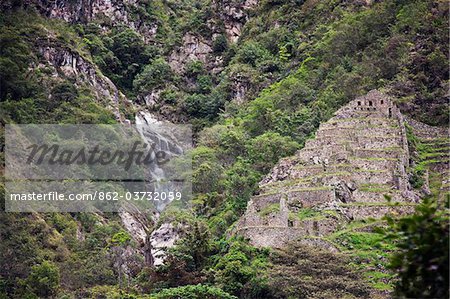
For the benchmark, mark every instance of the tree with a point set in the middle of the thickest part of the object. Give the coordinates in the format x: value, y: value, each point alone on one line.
x: 265, y: 150
x: 220, y: 43
x: 206, y: 170
x: 237, y: 267
x: 153, y: 76
x: 184, y: 262
x: 14, y: 62
x: 201, y: 105
x: 252, y: 53
x: 129, y: 47
x: 63, y: 92
x: 118, y: 242
x: 44, y: 279
x: 422, y: 259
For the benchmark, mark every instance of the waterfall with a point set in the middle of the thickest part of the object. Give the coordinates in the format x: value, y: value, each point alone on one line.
x: 158, y: 134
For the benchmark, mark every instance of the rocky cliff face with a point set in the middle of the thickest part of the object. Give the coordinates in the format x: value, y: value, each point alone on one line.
x: 109, y: 13
x: 234, y: 14
x: 65, y: 63
x: 357, y: 159
x: 193, y: 48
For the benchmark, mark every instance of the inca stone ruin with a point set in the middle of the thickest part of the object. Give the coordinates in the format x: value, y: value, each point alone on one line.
x: 356, y: 162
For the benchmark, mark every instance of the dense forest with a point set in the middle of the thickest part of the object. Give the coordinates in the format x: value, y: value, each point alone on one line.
x: 255, y: 79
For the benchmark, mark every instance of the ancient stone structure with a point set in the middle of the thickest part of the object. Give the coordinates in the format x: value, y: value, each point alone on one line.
x: 436, y: 157
x: 357, y: 160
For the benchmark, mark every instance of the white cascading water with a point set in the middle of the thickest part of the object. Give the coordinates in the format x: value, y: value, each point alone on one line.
x: 146, y: 124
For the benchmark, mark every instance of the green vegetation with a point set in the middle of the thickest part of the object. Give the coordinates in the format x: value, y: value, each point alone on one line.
x: 307, y: 214
x: 422, y: 258
x: 44, y: 279
x: 367, y: 252
x: 154, y: 75
x: 37, y: 97
x: 194, y: 292
x: 294, y: 65
x: 300, y: 272
x: 427, y: 153
x: 269, y: 209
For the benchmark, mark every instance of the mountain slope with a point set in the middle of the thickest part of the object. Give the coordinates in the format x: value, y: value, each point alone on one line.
x: 257, y: 80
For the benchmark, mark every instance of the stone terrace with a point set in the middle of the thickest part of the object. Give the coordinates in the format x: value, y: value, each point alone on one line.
x: 357, y: 160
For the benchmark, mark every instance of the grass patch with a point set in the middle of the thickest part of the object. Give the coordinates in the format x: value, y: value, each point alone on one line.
x: 325, y: 188
x: 374, y: 159
x: 363, y: 241
x: 273, y: 208
x: 308, y: 213
x: 377, y: 204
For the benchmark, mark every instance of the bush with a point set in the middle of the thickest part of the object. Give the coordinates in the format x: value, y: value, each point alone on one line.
x: 15, y: 57
x: 265, y: 150
x: 194, y: 68
x: 203, y: 106
x: 204, y: 84
x: 228, y: 140
x: 252, y: 53
x: 237, y: 267
x: 194, y: 292
x: 154, y: 75
x: 206, y: 170
x: 241, y: 180
x: 220, y: 43
x: 44, y: 279
x: 422, y: 259
x: 64, y: 92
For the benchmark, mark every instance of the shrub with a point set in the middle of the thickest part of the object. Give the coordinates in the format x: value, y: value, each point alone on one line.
x: 252, y: 53
x: 194, y: 68
x: 220, y: 43
x: 15, y: 57
x: 241, y: 181
x: 194, y: 292
x: 64, y: 92
x: 422, y: 259
x: 265, y: 150
x: 204, y: 84
x: 44, y: 279
x: 206, y: 170
x: 205, y: 106
x: 154, y: 75
x: 228, y: 140
x: 237, y: 267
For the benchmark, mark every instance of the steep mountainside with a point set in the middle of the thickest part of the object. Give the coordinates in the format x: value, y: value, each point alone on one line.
x: 331, y: 106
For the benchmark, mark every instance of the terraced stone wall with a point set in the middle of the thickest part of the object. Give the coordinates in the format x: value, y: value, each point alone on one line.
x: 357, y: 160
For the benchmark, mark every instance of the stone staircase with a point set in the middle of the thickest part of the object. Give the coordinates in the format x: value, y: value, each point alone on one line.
x: 355, y: 168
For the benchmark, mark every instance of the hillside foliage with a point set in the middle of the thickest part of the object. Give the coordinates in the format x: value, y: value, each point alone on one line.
x: 298, y: 62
